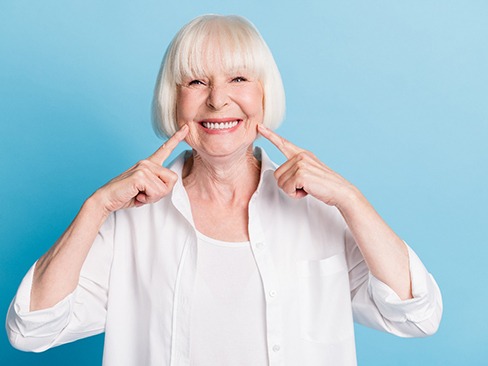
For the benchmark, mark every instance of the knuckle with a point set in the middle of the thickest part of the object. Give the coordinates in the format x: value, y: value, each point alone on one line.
x: 139, y: 174
x: 143, y: 163
x: 301, y: 164
x: 140, y: 177
x: 173, y: 177
x: 168, y: 176
x: 301, y: 175
x: 304, y: 155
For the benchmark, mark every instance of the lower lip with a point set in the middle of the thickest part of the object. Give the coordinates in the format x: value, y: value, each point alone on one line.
x: 218, y: 131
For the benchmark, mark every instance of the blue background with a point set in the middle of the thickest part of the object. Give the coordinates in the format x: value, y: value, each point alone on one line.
x: 393, y: 95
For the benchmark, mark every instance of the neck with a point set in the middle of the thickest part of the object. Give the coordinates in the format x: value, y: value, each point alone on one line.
x: 226, y: 180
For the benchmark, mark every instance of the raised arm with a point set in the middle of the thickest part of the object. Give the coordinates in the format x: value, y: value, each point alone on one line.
x: 57, y: 272
x: 386, y: 255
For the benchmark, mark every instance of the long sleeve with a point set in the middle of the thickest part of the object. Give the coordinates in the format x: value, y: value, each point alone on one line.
x: 377, y: 306
x: 80, y: 314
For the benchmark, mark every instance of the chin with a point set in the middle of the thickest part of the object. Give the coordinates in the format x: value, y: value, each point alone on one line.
x: 223, y: 150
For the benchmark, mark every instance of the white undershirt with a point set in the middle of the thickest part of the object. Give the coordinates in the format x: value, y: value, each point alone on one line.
x: 228, y: 326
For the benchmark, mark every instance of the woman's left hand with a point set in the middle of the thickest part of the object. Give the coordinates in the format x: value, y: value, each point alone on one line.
x: 386, y: 255
x: 303, y: 173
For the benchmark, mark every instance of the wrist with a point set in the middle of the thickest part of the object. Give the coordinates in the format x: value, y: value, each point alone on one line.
x: 95, y: 204
x: 351, y: 199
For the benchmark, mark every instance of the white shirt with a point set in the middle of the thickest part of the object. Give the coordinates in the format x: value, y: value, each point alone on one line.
x: 137, y: 285
x: 228, y: 324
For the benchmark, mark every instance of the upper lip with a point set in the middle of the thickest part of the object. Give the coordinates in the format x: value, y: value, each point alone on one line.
x: 219, y: 120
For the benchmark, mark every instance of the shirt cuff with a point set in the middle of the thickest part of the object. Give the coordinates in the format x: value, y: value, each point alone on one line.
x: 424, y: 290
x: 38, y: 323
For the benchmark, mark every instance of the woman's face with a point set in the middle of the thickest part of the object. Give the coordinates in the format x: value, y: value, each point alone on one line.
x: 222, y: 111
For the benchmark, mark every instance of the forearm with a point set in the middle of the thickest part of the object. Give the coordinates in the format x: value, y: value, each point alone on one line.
x: 384, y: 252
x: 386, y: 255
x: 57, y: 272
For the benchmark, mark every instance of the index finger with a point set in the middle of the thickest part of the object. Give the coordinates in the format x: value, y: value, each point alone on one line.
x: 161, y: 154
x: 285, y: 146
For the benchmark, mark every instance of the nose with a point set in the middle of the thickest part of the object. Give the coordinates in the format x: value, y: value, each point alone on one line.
x: 218, y: 97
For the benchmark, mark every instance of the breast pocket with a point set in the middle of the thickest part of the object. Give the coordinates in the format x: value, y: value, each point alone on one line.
x: 325, y: 302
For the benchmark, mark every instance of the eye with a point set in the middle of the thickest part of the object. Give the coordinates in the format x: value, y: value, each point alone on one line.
x: 196, y: 82
x: 239, y: 79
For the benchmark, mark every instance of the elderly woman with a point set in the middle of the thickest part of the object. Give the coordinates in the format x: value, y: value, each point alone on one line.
x: 223, y: 258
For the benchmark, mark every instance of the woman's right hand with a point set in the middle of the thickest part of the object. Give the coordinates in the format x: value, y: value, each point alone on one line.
x: 146, y: 182
x: 57, y: 272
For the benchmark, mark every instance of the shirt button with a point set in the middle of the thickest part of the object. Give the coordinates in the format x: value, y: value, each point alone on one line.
x: 276, y: 347
x: 272, y: 293
x: 259, y: 245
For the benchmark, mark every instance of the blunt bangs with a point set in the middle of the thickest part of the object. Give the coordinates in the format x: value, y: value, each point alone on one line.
x: 231, y: 42
x: 227, y: 44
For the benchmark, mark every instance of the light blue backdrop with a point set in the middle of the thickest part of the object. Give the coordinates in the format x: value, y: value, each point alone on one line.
x: 392, y: 94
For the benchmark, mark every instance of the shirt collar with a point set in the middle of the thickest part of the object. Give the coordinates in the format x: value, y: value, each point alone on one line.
x: 179, y: 196
x: 266, y: 163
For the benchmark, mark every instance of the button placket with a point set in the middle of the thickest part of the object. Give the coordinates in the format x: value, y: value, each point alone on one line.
x: 264, y: 262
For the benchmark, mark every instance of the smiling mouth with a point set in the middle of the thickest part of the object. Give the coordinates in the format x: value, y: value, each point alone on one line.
x: 220, y: 125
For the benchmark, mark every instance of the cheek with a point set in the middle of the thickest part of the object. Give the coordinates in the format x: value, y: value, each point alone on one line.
x: 257, y: 111
x: 181, y: 113
x: 192, y: 136
x: 252, y: 107
x: 185, y: 107
x: 255, y: 103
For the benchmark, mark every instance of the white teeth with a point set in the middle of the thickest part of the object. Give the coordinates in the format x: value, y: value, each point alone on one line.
x: 220, y: 126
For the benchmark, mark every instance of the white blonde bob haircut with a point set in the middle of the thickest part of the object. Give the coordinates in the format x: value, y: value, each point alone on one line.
x: 233, y: 42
